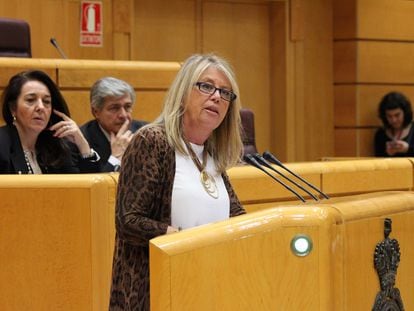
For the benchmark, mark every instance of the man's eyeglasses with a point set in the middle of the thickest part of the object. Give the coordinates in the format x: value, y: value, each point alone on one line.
x: 210, y: 89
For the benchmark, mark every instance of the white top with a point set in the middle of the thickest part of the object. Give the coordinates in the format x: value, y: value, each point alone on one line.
x: 191, y: 205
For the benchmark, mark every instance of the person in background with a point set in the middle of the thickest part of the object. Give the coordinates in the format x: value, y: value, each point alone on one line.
x: 173, y: 174
x: 39, y: 136
x: 112, y: 129
x: 395, y: 138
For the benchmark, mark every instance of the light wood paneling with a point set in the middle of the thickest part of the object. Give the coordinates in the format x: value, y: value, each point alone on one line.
x: 385, y: 62
x: 345, y: 21
x: 374, y: 19
x: 240, y: 32
x: 385, y: 19
x: 337, y: 275
x: 148, y: 104
x: 317, y: 107
x: 164, y: 32
x: 57, y: 241
x: 122, y: 14
x: 374, y: 42
x: 359, y: 176
x: 357, y: 105
x: 366, y: 142
x: 83, y: 73
x: 79, y: 106
x: 280, y: 112
x: 221, y: 284
x: 59, y: 19
x: 346, y: 142
x: 122, y: 46
x: 149, y: 79
x: 346, y: 105
x: 354, y: 142
x: 345, y: 62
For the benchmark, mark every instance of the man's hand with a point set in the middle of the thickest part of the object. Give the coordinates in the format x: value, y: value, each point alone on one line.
x: 120, y: 141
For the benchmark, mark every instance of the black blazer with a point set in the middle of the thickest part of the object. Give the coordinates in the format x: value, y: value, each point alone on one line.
x: 12, y: 159
x: 98, y: 141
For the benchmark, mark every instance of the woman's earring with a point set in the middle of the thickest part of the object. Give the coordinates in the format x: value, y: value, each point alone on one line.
x: 14, y: 120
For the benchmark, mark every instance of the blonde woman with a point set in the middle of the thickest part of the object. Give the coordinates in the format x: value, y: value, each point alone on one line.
x: 174, y: 172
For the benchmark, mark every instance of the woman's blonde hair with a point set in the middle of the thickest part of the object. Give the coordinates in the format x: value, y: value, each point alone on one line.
x: 224, y: 144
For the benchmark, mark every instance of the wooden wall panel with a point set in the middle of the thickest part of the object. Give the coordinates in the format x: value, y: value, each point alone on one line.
x: 313, y: 77
x: 369, y: 63
x: 149, y: 79
x: 240, y: 32
x: 79, y: 107
x: 345, y: 25
x: 354, y: 142
x: 385, y: 19
x: 148, y: 104
x: 164, y: 32
x: 369, y: 97
x: 385, y: 62
x: 345, y: 61
x: 59, y: 19
x: 345, y: 105
x: 279, y: 58
x: 139, y: 74
x: 357, y: 105
x: 366, y: 142
x: 345, y: 142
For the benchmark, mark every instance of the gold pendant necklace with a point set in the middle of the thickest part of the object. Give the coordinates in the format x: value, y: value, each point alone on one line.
x: 208, y: 181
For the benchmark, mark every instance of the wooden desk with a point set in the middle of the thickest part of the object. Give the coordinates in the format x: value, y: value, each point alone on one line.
x: 246, y: 263
x: 56, y: 241
x: 256, y: 190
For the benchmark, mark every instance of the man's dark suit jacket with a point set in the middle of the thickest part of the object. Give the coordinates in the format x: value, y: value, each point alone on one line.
x: 98, y: 141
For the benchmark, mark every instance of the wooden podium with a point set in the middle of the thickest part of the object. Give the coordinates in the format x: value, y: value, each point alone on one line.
x: 248, y: 263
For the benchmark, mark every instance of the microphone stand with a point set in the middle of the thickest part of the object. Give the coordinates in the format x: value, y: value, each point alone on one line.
x: 56, y: 45
x: 271, y: 158
x: 263, y: 161
x: 252, y: 161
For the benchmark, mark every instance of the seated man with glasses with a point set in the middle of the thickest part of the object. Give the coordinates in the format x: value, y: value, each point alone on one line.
x: 112, y: 129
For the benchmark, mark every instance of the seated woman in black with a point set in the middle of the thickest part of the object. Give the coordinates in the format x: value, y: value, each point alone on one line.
x: 396, y: 137
x: 39, y: 137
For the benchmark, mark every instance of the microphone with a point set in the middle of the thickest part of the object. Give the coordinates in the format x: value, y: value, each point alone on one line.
x: 248, y: 158
x: 56, y: 45
x: 263, y: 162
x: 271, y: 158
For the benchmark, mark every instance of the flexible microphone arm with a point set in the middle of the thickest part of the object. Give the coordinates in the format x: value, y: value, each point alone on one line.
x: 248, y: 158
x: 263, y: 162
x: 56, y: 45
x: 271, y: 158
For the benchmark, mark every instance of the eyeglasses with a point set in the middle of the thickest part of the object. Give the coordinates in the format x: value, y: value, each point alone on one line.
x: 208, y: 88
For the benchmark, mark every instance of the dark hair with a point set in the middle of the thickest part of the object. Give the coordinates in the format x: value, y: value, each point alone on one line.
x: 51, y: 151
x: 395, y: 100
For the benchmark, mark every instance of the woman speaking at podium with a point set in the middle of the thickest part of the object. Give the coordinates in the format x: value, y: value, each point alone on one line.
x: 173, y: 175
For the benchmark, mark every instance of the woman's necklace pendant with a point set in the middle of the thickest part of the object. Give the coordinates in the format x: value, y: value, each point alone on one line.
x: 209, y: 184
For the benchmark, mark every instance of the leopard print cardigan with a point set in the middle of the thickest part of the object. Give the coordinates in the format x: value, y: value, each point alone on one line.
x: 143, y: 211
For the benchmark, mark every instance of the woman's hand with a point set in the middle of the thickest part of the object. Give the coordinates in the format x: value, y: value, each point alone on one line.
x: 69, y: 129
x: 396, y: 146
x: 171, y: 229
